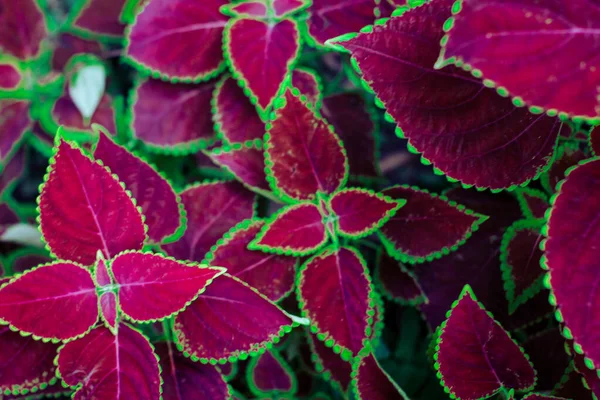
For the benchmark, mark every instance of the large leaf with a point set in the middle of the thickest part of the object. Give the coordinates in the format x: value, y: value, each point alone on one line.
x: 551, y: 49
x: 152, y: 287
x: 100, y: 18
x: 475, y: 357
x: 105, y: 366
x: 22, y: 28
x: 304, y: 156
x: 465, y: 129
x: 83, y: 209
x: 371, y: 382
x: 228, y: 321
x: 397, y: 281
x: 14, y: 123
x: 329, y: 364
x: 246, y: 162
x: 272, y: 275
x: 160, y: 38
x: 270, y: 374
x: 212, y: 209
x: 55, y: 301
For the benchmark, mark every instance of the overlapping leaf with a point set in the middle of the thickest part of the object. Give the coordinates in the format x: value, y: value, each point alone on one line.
x: 373, y: 383
x: 330, y: 364
x: 245, y: 162
x: 398, y: 282
x: 270, y: 374
x: 100, y: 18
x: 22, y: 28
x: 70, y: 45
x: 14, y: 123
x: 567, y: 156
x: 534, y: 203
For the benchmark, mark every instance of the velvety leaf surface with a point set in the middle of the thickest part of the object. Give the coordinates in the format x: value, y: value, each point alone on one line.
x: 22, y: 28
x: 337, y: 280
x: 55, y: 301
x: 427, y: 226
x: 228, y: 320
x: 373, y: 383
x: 475, y: 357
x: 152, y: 192
x: 14, y: 122
x: 262, y: 54
x: 246, y: 163
x: 184, y: 119
x: 180, y: 24
x: 546, y: 351
x: 83, y: 209
x: 306, y: 82
x: 551, y: 47
x: 534, y: 203
x: 108, y: 366
x: 69, y: 45
x: 284, y: 7
x: 153, y: 287
x: 398, y: 282
x: 272, y: 275
x: 303, y: 154
x: 108, y: 307
x: 567, y: 156
x: 212, y: 209
x: 269, y: 373
x: 65, y: 113
x: 10, y: 76
x: 295, y: 230
x: 101, y: 18
x: 465, y: 129
x: 330, y: 364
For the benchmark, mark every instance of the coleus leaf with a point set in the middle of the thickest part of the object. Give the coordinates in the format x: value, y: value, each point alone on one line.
x: 108, y: 303
x: 228, y: 321
x: 567, y: 156
x: 303, y: 154
x: 102, y: 365
x: 153, y: 193
x: 466, y: 130
x: 165, y: 51
x: 590, y: 376
x: 101, y: 275
x: 307, y: 82
x: 337, y: 279
x: 55, y: 302
x: 25, y: 260
x: 270, y: 374
x: 533, y: 203
x: 283, y: 8
x: 246, y: 162
x: 397, y: 281
x: 8, y: 218
x: 571, y: 386
x: 371, y: 382
x: 12, y: 171
x: 595, y: 141
x: 83, y: 209
x: 22, y: 28
x: 546, y: 351
x: 272, y: 275
x: 14, y: 123
x: 475, y: 356
x: 554, y: 77
x: 261, y: 55
x: 427, y: 226
x: 212, y: 209
x: 329, y: 364
x: 65, y: 113
x: 10, y: 76
x: 153, y: 287
x: 100, y: 18
x: 70, y: 45
x: 184, y: 124
x: 252, y: 8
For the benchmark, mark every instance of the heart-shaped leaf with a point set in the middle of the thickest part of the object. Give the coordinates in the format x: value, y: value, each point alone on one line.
x: 14, y: 123
x: 55, y: 301
x: 160, y: 37
x: 270, y: 374
x: 555, y: 77
x: 465, y: 129
x: 105, y: 366
x: 475, y: 356
x: 228, y: 321
x: 533, y: 202
x: 212, y: 209
x: 109, y: 309
x: 303, y: 154
x: 22, y: 28
x: 83, y: 209
x: 10, y: 76
x: 246, y: 162
x: 100, y: 18
x: 567, y: 156
x: 272, y: 275
x: 329, y: 364
x: 371, y: 382
x: 398, y: 282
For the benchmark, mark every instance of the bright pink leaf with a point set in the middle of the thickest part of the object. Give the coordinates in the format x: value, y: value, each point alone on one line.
x: 10, y: 76
x: 286, y: 7
x: 70, y: 45
x: 65, y: 113
x: 12, y: 170
x: 108, y: 307
x: 101, y: 273
x: 246, y: 163
x: 398, y: 282
x: 330, y: 364
x: 373, y: 383
x: 270, y: 374
x: 101, y: 18
x: 107, y: 366
x: 22, y: 28
x: 306, y: 82
x: 14, y: 123
x: 83, y: 209
x: 54, y: 301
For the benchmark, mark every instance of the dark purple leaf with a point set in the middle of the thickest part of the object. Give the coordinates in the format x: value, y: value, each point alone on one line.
x: 533, y: 202
x: 595, y: 141
x: 70, y: 45
x: 10, y: 76
x: 571, y: 386
x: 66, y: 114
x: 307, y: 82
x: 567, y: 156
x: 14, y: 123
x: 398, y: 282
x: 22, y: 28
x: 546, y: 351
x: 25, y: 260
x: 8, y: 218
x: 12, y: 171
x: 100, y: 18
x: 371, y: 382
x: 245, y: 162
x: 270, y: 374
x: 329, y: 364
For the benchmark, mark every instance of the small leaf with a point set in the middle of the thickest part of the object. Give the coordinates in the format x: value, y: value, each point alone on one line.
x: 303, y: 154
x: 307, y: 82
x: 245, y: 162
x: 14, y: 123
x: 101, y: 274
x: 329, y: 364
x: 54, y: 301
x: 475, y: 357
x: 106, y: 366
x: 283, y: 8
x: 295, y: 230
x: 86, y: 88
x: 65, y: 113
x: 371, y: 382
x: 10, y: 76
x: 257, y: 9
x: 595, y: 141
x: 108, y: 306
x: 83, y: 209
x: 533, y: 203
x: 22, y: 28
x: 100, y: 18
x: 398, y: 282
x: 70, y: 45
x: 567, y: 156
x: 270, y: 374
x: 228, y: 321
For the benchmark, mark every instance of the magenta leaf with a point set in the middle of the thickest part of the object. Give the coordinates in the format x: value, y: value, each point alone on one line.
x: 337, y: 280
x: 567, y: 156
x: 70, y: 45
x: 397, y: 282
x: 212, y: 209
x: 246, y: 162
x: 101, y: 274
x: 427, y: 226
x: 159, y: 39
x: 371, y: 382
x: 359, y: 212
x: 465, y: 129
x: 303, y: 154
x: 55, y: 301
x: 295, y: 231
x: 270, y: 374
x: 100, y: 18
x: 153, y: 193
x: 228, y: 321
x: 184, y: 122
x: 261, y: 55
x: 329, y: 364
x: 109, y: 310
x: 272, y: 275
x: 14, y: 123
x: 544, y: 52
x: 102, y: 365
x: 83, y: 209
x: 283, y: 8
x: 256, y: 9
x: 475, y: 356
x: 22, y: 28
x: 10, y: 76
x: 533, y: 203
x: 307, y: 82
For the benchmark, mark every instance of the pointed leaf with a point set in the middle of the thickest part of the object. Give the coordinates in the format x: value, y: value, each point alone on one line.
x: 107, y: 366
x: 398, y: 283
x: 591, y: 380
x: 101, y: 274
x: 286, y: 7
x: 160, y: 37
x: 272, y: 275
x: 571, y: 386
x: 567, y: 156
x: 475, y: 356
x: 303, y: 154
x: 10, y: 76
x: 307, y: 83
x: 160, y: 205
x: 257, y: 9
x: 465, y: 129
x: 337, y: 280
x: 65, y: 113
x: 551, y: 48
x: 22, y: 28
x: 371, y: 382
x: 212, y: 209
x: 295, y: 230
x: 83, y: 209
x: 54, y: 301
x: 329, y: 364
x: 14, y: 123
x: 70, y: 45
x: 245, y: 162
x: 100, y: 18
x: 108, y: 307
x: 270, y: 374
x: 534, y: 203
x: 228, y: 321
